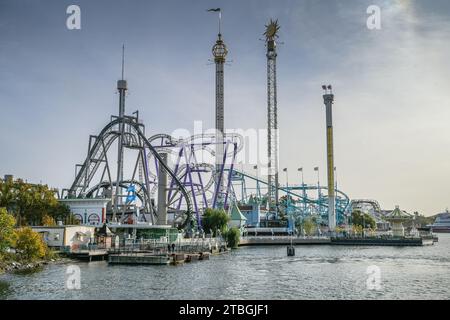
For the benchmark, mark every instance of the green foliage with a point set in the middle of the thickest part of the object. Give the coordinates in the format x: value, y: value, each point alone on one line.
x: 309, y: 225
x: 48, y: 221
x: 233, y: 237
x: 363, y: 219
x: 29, y: 244
x: 357, y: 229
x: 421, y: 220
x: 29, y: 203
x: 71, y: 220
x: 215, y: 219
x: 7, y: 234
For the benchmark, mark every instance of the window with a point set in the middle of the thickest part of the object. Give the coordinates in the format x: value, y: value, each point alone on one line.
x: 94, y: 219
x: 78, y: 217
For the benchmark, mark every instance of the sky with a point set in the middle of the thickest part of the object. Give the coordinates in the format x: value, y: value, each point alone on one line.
x: 391, y: 110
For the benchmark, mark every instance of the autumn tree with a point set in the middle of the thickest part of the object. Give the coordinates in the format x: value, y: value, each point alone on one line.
x: 309, y: 226
x: 7, y: 234
x: 29, y: 203
x: 48, y: 221
x: 29, y: 244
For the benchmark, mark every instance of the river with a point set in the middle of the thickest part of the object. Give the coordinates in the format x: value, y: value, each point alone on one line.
x: 316, y: 272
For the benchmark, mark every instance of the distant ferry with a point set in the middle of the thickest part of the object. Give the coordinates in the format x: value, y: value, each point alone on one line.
x: 442, y: 223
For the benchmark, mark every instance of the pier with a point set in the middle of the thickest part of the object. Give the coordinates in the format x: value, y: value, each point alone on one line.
x: 349, y: 241
x: 139, y: 258
x: 283, y: 240
x: 89, y: 254
x: 162, y: 253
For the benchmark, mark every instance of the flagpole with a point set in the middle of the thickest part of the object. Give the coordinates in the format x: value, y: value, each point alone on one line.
x: 220, y: 21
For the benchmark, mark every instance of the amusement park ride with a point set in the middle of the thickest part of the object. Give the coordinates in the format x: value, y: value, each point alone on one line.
x: 159, y: 180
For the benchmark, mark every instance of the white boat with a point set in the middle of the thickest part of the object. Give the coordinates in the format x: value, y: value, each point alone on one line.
x: 442, y: 223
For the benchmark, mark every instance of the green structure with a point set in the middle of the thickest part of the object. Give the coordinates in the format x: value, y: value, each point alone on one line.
x: 159, y: 232
x: 396, y: 218
x: 237, y: 218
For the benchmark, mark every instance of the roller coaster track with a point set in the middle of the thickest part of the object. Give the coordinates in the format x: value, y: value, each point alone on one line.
x: 290, y: 192
x: 136, y: 139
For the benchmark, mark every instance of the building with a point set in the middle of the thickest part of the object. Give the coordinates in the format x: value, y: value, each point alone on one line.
x: 396, y: 218
x: 104, y: 237
x: 237, y: 220
x: 70, y: 236
x: 88, y: 211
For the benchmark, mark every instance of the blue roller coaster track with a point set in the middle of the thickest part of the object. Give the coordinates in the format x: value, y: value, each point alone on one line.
x: 299, y: 201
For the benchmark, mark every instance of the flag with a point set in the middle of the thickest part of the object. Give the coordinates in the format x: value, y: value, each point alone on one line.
x: 316, y: 168
x: 130, y: 198
x: 131, y: 194
x: 214, y: 10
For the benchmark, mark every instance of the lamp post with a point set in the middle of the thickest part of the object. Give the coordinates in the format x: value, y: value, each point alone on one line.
x: 287, y: 178
x: 301, y: 170
x: 258, y: 192
x: 303, y: 190
x: 318, y: 186
x: 335, y: 177
x: 287, y: 188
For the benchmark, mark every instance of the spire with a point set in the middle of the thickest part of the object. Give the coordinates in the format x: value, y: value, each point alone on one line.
x: 220, y: 18
x: 123, y: 60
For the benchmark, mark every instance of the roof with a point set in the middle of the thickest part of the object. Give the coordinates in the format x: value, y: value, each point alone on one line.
x: 398, y: 214
x: 253, y: 200
x: 104, y: 231
x: 63, y: 226
x: 236, y: 213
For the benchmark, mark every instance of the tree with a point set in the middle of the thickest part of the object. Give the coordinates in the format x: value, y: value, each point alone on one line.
x: 48, y: 221
x: 7, y: 234
x: 339, y: 229
x: 363, y: 219
x: 233, y: 237
x: 29, y: 203
x: 215, y: 220
x: 30, y: 244
x: 309, y: 226
x: 357, y: 229
x: 71, y: 220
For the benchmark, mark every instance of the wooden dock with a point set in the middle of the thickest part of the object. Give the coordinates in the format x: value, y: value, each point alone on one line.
x: 283, y: 240
x: 397, y: 242
x: 368, y: 241
x: 139, y: 258
x: 89, y: 255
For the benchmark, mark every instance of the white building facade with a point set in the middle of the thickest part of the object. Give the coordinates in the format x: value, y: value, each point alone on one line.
x: 90, y: 212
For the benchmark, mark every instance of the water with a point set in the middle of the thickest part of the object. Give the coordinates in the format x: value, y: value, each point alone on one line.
x: 316, y: 272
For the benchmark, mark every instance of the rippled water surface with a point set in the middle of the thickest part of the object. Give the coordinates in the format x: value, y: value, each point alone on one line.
x: 316, y: 272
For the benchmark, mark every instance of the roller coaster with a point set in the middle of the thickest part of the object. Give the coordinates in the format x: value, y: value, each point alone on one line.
x: 164, y: 180
x: 192, y: 177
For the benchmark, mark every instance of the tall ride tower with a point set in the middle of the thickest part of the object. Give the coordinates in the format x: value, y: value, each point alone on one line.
x: 122, y: 88
x: 328, y: 99
x: 219, y: 52
x: 272, y: 122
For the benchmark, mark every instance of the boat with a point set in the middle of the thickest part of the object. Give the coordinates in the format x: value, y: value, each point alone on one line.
x: 441, y: 224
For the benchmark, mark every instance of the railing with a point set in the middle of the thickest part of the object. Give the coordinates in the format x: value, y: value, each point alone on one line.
x: 285, y: 237
x: 161, y: 247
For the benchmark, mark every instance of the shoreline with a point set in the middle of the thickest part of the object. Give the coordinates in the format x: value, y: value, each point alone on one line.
x: 20, y: 266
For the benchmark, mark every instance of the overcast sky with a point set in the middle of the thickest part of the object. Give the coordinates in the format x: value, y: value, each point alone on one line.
x: 391, y: 111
